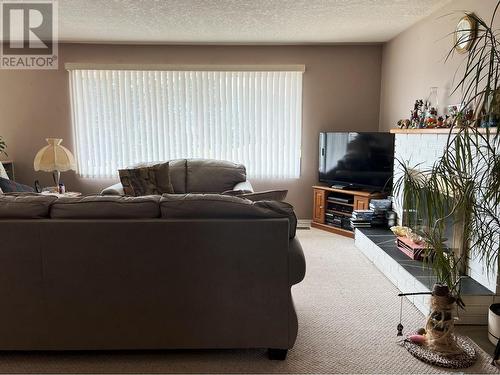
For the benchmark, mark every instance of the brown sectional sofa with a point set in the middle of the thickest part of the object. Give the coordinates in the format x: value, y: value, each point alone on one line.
x: 172, y: 272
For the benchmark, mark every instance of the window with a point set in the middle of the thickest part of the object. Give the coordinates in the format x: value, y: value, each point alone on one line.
x: 121, y: 117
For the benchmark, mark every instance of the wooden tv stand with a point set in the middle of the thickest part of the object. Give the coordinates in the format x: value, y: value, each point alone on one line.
x: 355, y: 200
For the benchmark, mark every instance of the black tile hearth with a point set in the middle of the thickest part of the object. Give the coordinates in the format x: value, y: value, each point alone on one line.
x: 386, y: 241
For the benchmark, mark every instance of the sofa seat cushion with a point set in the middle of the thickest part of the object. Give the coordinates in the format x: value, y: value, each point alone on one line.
x: 216, y: 206
x: 212, y: 176
x: 106, y: 207
x: 266, y: 195
x: 25, y: 206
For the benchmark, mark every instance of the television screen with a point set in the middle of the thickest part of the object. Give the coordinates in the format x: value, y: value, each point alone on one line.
x: 357, y: 160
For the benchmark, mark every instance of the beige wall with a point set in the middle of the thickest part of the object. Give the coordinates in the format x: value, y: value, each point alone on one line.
x: 340, y: 92
x: 414, y: 61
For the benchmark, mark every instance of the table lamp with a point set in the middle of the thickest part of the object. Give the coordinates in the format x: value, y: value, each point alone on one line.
x: 54, y: 158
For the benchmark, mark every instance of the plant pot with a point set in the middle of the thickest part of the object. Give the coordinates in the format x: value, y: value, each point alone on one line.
x: 494, y: 323
x: 440, y: 327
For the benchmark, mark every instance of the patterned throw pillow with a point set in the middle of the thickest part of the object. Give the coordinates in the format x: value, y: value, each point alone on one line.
x: 8, y: 186
x: 146, y: 180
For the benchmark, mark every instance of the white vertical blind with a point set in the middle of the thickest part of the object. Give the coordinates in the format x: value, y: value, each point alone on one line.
x: 122, y: 117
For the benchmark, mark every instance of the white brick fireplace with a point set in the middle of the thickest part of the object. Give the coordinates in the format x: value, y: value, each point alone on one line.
x: 423, y: 149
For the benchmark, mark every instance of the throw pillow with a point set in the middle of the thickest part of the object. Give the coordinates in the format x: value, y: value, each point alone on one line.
x: 3, y: 172
x: 266, y: 195
x: 8, y: 186
x: 146, y: 180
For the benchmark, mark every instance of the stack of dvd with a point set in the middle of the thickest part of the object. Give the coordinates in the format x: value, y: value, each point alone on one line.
x: 361, y: 218
x: 376, y: 216
x: 331, y: 218
x: 380, y: 208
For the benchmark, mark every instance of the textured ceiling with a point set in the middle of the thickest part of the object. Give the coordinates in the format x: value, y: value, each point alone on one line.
x: 238, y: 21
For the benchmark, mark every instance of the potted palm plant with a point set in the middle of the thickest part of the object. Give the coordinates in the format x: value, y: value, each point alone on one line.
x: 463, y: 185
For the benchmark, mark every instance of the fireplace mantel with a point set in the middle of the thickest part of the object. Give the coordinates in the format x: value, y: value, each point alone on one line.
x: 437, y: 131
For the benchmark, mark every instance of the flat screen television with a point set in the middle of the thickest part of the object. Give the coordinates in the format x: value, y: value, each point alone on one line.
x: 357, y: 160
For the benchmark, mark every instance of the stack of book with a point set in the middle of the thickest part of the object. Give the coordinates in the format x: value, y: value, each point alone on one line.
x: 380, y: 208
x: 361, y: 218
x: 374, y: 217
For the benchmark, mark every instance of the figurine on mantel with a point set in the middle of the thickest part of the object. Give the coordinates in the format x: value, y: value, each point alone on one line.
x: 425, y: 116
x: 451, y: 117
x: 417, y: 117
x: 431, y: 118
x: 404, y: 124
x: 459, y: 117
x: 440, y: 122
x: 418, y: 114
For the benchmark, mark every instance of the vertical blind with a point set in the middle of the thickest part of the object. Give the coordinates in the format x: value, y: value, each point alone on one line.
x: 122, y: 117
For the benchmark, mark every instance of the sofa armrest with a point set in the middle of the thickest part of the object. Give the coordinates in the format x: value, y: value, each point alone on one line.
x: 245, y: 186
x: 116, y: 189
x: 296, y: 262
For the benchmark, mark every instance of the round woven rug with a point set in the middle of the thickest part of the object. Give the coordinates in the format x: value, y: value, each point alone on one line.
x: 463, y: 360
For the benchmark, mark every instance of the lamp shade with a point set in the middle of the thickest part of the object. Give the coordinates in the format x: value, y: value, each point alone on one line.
x: 54, y: 157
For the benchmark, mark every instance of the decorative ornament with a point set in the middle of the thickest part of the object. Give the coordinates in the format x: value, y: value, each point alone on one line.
x: 465, y: 33
x: 400, y: 325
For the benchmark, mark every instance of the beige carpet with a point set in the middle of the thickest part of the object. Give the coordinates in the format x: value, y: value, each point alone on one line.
x: 348, y: 312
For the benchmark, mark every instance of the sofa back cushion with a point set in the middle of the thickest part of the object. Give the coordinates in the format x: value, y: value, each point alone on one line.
x: 216, y: 206
x: 213, y: 176
x: 25, y: 206
x: 106, y: 207
x: 178, y: 175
